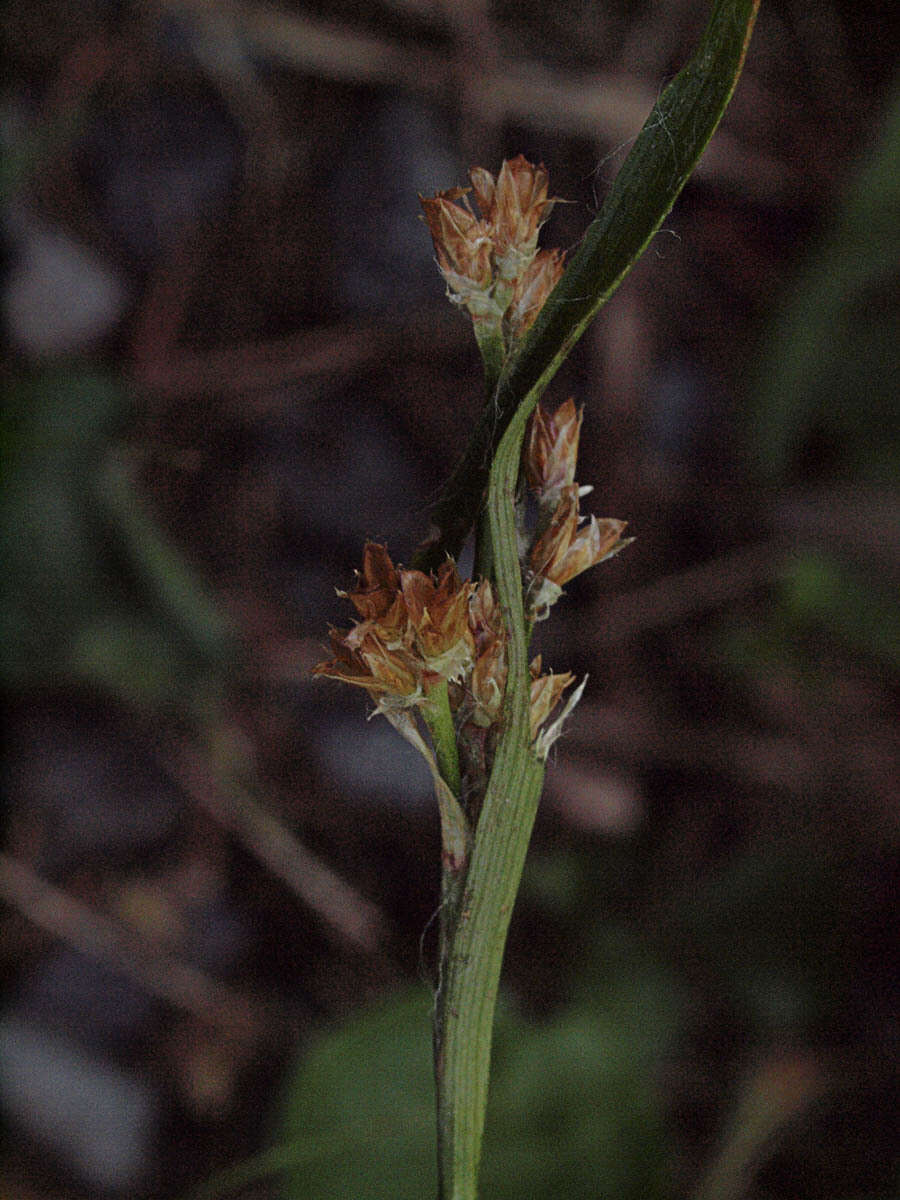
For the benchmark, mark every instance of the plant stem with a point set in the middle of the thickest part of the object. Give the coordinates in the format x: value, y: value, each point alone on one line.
x: 648, y: 184
x: 455, y: 834
x: 480, y: 906
x: 489, y: 337
x: 465, y: 1009
x: 439, y: 720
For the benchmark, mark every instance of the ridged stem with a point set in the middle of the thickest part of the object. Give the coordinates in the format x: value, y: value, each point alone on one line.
x: 468, y: 994
x: 659, y: 164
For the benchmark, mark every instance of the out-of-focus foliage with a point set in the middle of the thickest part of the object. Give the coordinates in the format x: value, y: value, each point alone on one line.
x: 92, y: 590
x: 830, y: 368
x: 575, y: 1107
x: 825, y: 408
x: 771, y: 929
x: 819, y: 591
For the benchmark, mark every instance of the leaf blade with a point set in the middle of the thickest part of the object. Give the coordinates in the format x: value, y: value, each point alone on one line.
x: 659, y: 164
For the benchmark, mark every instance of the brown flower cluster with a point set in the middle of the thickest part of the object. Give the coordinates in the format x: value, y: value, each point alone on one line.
x: 563, y: 546
x: 413, y: 632
x: 417, y: 630
x: 490, y: 262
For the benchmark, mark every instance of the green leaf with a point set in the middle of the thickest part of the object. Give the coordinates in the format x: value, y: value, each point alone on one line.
x: 57, y: 428
x: 360, y: 1109
x: 574, y: 1110
x: 650, y: 180
x: 92, y: 589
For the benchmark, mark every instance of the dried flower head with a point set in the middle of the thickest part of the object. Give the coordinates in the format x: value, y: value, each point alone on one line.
x: 546, y: 693
x: 490, y: 262
x: 437, y: 611
x: 514, y: 206
x: 389, y: 675
x: 551, y: 450
x: 488, y: 680
x: 376, y: 584
x: 415, y: 631
x: 375, y: 653
x: 463, y: 246
x: 566, y: 548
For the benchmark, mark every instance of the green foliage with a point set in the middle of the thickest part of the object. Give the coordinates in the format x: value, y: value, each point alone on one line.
x: 573, y: 1109
x: 831, y: 365
x: 92, y: 591
x: 360, y: 1108
x: 817, y: 597
x: 820, y: 592
x: 57, y: 427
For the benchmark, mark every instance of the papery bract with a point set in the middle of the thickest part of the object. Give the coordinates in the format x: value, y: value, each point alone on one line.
x: 438, y: 611
x: 376, y: 584
x: 551, y: 449
x: 532, y: 288
x: 488, y: 681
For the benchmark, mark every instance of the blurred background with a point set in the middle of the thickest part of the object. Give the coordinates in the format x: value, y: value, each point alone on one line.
x: 229, y: 361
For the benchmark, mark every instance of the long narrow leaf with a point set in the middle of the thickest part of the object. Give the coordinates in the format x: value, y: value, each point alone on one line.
x: 648, y: 184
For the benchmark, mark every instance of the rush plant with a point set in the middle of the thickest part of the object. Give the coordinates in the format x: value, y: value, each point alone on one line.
x: 447, y: 660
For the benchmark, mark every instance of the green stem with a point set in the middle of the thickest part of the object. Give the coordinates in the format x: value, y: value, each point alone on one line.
x: 648, y: 184
x: 493, y: 354
x: 493, y: 351
x: 654, y: 173
x: 455, y: 835
x: 465, y: 1010
x: 439, y: 720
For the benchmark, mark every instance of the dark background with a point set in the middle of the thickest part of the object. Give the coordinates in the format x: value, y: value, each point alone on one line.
x: 229, y: 361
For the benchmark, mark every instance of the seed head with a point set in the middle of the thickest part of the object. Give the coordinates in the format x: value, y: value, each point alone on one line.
x: 463, y: 246
x: 546, y: 693
x: 389, y: 675
x: 490, y: 261
x: 564, y: 550
x: 552, y: 450
x: 488, y: 681
x: 514, y: 206
x: 437, y: 611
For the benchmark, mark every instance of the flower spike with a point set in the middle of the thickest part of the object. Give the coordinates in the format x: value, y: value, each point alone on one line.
x: 514, y: 207
x: 490, y: 262
x: 551, y: 450
x: 563, y: 546
x: 463, y: 246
